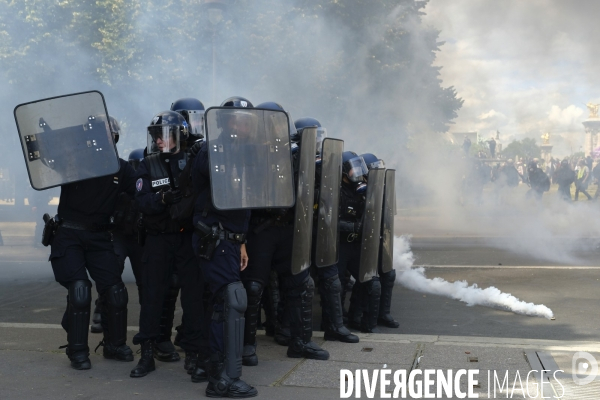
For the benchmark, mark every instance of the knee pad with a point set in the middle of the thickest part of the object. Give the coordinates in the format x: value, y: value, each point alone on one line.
x: 116, y: 295
x: 388, y: 277
x: 373, y: 287
x: 254, y: 289
x: 80, y: 294
x: 332, y: 284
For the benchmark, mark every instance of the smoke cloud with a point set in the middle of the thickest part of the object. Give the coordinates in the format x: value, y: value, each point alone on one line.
x: 472, y: 295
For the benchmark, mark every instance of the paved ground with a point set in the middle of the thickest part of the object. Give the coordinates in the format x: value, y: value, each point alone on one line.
x: 435, y: 333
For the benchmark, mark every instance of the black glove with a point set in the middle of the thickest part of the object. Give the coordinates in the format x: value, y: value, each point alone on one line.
x: 171, y: 196
x: 195, y: 148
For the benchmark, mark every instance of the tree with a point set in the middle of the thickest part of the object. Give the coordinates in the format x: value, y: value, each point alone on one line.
x: 525, y: 148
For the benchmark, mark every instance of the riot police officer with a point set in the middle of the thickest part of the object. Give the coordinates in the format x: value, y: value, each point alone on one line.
x: 354, y: 185
x: 83, y: 242
x: 330, y: 287
x: 222, y: 260
x: 168, y: 243
x: 125, y: 239
x: 270, y: 243
x: 387, y: 279
x: 192, y: 334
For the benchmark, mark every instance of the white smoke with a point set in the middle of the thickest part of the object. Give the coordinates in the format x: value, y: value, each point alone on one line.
x: 473, y: 295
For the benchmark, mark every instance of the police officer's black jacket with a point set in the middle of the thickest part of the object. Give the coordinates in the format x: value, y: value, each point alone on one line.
x: 153, y: 178
x: 232, y: 220
x: 93, y: 201
x: 125, y: 215
x: 352, y: 204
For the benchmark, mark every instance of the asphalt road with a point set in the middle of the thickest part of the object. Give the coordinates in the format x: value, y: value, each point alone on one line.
x: 28, y: 293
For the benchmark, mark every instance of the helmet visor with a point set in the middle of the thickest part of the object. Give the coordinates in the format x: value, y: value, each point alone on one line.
x: 196, y: 127
x: 376, y: 164
x: 321, y: 135
x: 163, y: 138
x: 357, y: 169
x: 240, y: 125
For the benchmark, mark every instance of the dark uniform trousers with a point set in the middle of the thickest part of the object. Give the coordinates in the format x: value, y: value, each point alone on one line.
x: 127, y: 246
x: 165, y: 254
x: 76, y: 252
x: 271, y: 249
x: 222, y: 270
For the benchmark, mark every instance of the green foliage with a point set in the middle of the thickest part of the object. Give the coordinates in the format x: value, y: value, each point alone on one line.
x: 314, y: 54
x: 524, y: 148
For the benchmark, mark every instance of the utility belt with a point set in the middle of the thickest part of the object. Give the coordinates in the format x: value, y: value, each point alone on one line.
x: 82, y: 226
x: 261, y: 224
x: 211, y: 236
x: 52, y: 224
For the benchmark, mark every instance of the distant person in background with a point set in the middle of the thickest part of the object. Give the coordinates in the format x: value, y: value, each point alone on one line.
x: 538, y: 181
x: 583, y: 179
x: 466, y: 145
x: 492, y: 146
x: 564, y: 176
x: 596, y: 177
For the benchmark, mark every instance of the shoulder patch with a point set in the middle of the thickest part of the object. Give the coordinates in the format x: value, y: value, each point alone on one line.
x: 139, y: 184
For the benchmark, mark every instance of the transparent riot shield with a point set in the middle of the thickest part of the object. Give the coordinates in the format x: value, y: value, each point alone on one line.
x: 371, y: 232
x: 303, y: 218
x: 250, y: 158
x: 66, y: 139
x: 327, y: 240
x: 387, y: 230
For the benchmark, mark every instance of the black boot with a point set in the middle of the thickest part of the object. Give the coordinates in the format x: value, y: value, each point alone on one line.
x: 299, y: 307
x: 164, y: 350
x: 387, y: 286
x: 146, y: 363
x: 330, y: 290
x: 96, y: 326
x: 199, y: 374
x: 221, y: 385
x: 371, y: 294
x: 191, y: 359
x: 254, y: 292
x: 355, y: 309
x: 80, y: 360
x: 225, y: 370
x: 114, y: 324
x: 79, y: 303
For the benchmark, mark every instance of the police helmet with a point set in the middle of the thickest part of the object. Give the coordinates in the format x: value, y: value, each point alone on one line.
x: 532, y: 166
x: 193, y: 111
x: 135, y: 157
x: 115, y: 128
x: 237, y: 101
x: 271, y: 105
x: 372, y: 161
x: 167, y: 131
x: 308, y: 122
x: 355, y: 170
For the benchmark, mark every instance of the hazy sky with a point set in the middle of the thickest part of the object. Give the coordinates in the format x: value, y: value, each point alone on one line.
x: 522, y: 67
